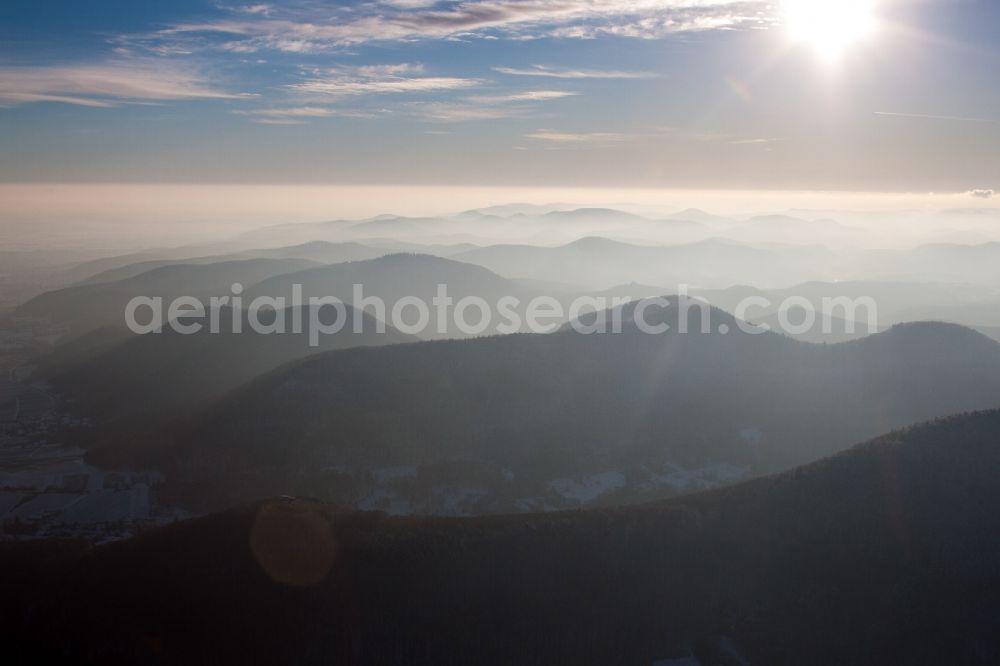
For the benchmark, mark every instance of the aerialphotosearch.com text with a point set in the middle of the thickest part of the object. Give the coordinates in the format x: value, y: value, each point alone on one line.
x: 443, y: 315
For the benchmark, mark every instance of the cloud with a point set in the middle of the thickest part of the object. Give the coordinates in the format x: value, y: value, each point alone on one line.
x: 524, y: 96
x: 453, y: 112
x: 102, y: 85
x: 295, y: 112
x: 410, y: 4
x: 255, y: 9
x: 982, y: 194
x: 488, y: 107
x: 379, y: 79
x: 324, y: 86
x: 279, y: 121
x: 924, y: 116
x: 577, y: 138
x: 555, y: 73
x: 395, y: 69
x: 753, y: 142
x: 712, y: 16
x: 655, y: 134
x: 307, y: 27
x: 299, y: 115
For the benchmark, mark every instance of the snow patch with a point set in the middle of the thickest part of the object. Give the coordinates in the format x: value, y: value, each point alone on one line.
x: 589, y: 488
x: 693, y: 480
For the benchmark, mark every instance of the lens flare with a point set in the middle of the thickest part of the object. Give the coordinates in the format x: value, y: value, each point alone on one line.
x: 831, y: 27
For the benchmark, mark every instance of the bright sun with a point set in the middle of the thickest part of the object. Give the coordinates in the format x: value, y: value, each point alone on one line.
x: 829, y: 26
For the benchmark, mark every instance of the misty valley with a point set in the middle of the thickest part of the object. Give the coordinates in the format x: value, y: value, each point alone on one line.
x: 123, y: 429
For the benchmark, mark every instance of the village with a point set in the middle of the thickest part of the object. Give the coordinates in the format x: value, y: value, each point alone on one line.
x: 47, y: 489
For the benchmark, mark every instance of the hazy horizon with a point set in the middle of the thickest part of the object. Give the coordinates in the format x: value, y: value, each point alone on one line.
x: 123, y: 216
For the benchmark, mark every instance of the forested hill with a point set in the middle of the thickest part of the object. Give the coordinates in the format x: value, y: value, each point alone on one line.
x: 148, y: 380
x: 511, y: 415
x: 885, y: 554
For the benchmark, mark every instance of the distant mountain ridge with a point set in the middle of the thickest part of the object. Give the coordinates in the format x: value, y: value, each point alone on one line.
x: 139, y: 383
x: 89, y: 306
x: 321, y: 252
x: 600, y: 262
x: 556, y: 421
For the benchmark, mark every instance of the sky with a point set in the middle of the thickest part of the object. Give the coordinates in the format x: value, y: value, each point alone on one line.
x: 860, y: 95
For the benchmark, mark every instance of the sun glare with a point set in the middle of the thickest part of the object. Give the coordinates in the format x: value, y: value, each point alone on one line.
x: 831, y: 27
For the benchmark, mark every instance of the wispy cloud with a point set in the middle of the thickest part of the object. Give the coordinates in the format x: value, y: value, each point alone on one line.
x: 557, y: 73
x: 753, y: 142
x: 323, y: 87
x: 294, y: 112
x: 924, y: 116
x: 673, y: 134
x: 300, y: 115
x: 453, y: 112
x: 489, y: 107
x: 524, y: 96
x: 577, y: 137
x: 695, y: 17
x: 260, y: 8
x: 279, y: 121
x: 380, y: 79
x: 309, y: 27
x: 104, y: 84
